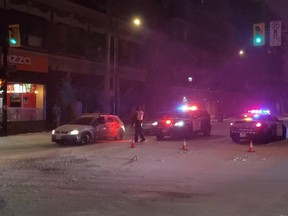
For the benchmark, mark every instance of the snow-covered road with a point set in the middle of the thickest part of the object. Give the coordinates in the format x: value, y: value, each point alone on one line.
x: 213, y: 177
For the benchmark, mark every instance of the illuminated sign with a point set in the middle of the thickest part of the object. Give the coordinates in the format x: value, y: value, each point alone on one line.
x: 19, y: 59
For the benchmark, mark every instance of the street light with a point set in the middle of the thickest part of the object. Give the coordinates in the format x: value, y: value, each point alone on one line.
x: 241, y: 52
x: 137, y: 21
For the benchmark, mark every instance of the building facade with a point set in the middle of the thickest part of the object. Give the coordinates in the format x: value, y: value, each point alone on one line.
x: 85, y: 56
x: 62, y: 61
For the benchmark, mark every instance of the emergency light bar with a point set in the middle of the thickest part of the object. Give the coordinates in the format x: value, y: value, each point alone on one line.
x: 262, y: 112
x: 187, y: 108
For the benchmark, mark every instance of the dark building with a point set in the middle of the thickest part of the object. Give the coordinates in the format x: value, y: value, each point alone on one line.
x: 86, y: 56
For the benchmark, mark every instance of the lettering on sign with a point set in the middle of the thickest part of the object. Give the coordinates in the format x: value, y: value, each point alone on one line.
x: 19, y: 59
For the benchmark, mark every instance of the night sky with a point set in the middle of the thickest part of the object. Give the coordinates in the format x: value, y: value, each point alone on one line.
x: 280, y: 7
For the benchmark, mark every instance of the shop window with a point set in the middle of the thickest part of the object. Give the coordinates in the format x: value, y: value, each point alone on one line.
x: 25, y: 101
x: 15, y: 100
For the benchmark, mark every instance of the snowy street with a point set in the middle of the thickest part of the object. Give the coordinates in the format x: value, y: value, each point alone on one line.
x: 213, y: 177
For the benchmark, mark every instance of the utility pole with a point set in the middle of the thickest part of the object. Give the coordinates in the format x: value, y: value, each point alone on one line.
x: 3, y: 75
x: 115, y: 72
x: 108, y: 60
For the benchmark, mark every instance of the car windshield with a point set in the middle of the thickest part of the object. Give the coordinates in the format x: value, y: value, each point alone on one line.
x: 83, y: 121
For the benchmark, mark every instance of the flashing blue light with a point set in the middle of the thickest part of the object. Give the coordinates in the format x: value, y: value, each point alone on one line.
x: 187, y: 108
x: 256, y: 116
x: 183, y: 108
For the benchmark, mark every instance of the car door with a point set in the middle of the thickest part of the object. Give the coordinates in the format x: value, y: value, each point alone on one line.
x: 196, y: 121
x: 279, y: 127
x: 100, y: 127
x: 276, y: 126
x: 111, y: 126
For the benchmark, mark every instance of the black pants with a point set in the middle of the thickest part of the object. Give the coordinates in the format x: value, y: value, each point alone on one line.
x: 138, y: 132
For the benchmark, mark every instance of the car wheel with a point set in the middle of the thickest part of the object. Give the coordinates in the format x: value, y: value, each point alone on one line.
x: 268, y: 137
x: 235, y: 138
x: 207, y: 130
x: 85, y: 139
x: 119, y: 135
x: 283, y: 132
x: 160, y: 137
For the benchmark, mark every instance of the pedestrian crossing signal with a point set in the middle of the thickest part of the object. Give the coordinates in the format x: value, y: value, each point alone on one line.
x: 259, y: 34
x: 14, y: 36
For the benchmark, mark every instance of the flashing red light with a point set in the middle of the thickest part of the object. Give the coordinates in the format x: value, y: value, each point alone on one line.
x: 168, y: 122
x: 193, y: 108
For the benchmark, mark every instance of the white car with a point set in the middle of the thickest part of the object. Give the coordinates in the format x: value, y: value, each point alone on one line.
x: 89, y: 127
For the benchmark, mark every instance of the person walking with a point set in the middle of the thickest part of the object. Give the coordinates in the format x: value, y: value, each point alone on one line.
x: 137, y: 123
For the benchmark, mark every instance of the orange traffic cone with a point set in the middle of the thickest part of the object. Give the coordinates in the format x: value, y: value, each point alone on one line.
x: 184, y: 147
x: 251, y: 148
x: 133, y: 145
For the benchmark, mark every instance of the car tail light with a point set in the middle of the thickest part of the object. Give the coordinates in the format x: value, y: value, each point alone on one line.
x: 168, y: 122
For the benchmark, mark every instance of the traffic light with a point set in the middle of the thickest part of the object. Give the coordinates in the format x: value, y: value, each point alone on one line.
x: 259, y: 34
x: 14, y: 36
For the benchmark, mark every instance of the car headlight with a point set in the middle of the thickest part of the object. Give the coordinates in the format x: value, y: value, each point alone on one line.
x: 179, y: 124
x: 73, y: 132
x: 155, y: 123
x: 53, y: 131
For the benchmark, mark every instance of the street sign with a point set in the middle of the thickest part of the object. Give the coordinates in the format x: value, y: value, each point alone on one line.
x: 275, y: 33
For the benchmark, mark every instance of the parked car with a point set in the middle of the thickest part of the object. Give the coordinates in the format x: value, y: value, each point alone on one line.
x: 258, y: 126
x: 88, y: 128
x: 183, y: 123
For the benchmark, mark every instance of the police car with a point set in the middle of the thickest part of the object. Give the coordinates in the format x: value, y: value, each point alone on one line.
x: 259, y: 126
x: 183, y: 123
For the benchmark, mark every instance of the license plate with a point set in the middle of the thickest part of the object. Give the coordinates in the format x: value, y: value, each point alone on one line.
x: 242, y: 134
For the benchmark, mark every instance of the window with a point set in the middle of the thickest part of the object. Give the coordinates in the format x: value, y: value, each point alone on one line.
x: 110, y: 119
x: 25, y: 101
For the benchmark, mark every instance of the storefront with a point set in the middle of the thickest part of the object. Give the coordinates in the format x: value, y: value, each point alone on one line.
x: 25, y: 102
x: 26, y: 92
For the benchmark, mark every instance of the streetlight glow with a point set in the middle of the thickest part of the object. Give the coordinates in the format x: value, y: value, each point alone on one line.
x: 137, y: 21
x: 241, y: 52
